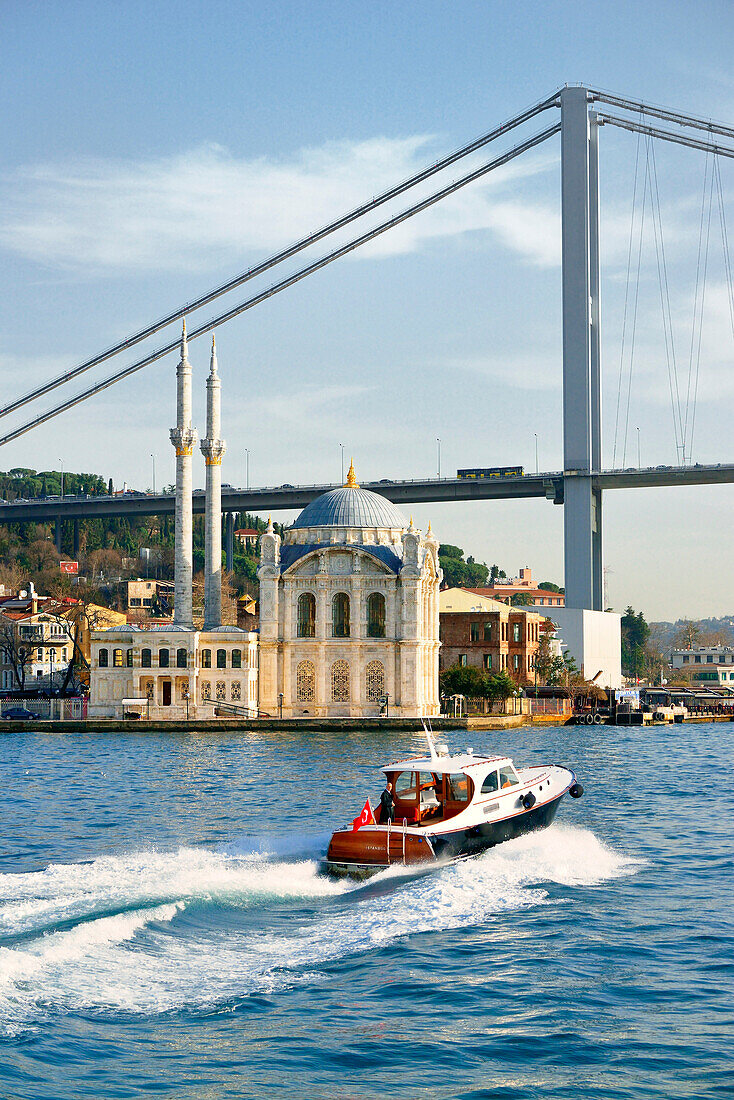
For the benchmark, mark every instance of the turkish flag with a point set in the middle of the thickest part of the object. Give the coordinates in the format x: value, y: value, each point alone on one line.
x: 365, y: 818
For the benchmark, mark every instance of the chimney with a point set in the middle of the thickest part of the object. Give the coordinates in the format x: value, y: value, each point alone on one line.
x: 213, y: 449
x: 183, y: 438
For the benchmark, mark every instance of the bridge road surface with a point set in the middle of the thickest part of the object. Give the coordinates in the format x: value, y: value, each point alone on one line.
x: 432, y: 490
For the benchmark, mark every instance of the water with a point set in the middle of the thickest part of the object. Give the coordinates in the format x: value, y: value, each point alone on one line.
x: 164, y: 931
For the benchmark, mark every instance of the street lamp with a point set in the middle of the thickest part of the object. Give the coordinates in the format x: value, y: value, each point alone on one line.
x: 438, y: 441
x: 51, y: 659
x: 247, y: 467
x: 187, y: 696
x: 280, y: 705
x: 341, y: 447
x: 153, y: 458
x: 639, y: 465
x: 536, y: 452
x: 62, y: 476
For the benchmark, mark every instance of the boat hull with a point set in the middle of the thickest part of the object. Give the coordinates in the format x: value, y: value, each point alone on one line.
x: 355, y: 857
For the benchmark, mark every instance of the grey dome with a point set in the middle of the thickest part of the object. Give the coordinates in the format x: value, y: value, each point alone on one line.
x: 351, y: 507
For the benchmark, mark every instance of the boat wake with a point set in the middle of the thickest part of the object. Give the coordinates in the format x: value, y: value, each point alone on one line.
x: 197, y: 931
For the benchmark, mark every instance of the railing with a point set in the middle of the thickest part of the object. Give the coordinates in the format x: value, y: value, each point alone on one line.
x: 56, y: 709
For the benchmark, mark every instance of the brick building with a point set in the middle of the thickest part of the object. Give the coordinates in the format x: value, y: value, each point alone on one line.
x: 487, y: 634
x: 504, y: 588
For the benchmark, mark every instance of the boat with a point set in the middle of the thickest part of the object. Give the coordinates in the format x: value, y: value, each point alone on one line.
x: 447, y: 807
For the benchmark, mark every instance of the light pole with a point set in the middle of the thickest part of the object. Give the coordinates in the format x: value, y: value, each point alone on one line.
x: 247, y: 467
x: 153, y: 458
x: 51, y: 659
x: 536, y: 452
x: 639, y: 464
x: 62, y: 476
x: 438, y: 442
x: 341, y: 447
x: 280, y: 705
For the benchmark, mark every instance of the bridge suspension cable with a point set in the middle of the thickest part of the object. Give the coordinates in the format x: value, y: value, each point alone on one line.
x: 271, y: 291
x: 284, y: 254
x: 666, y: 135
x: 637, y: 107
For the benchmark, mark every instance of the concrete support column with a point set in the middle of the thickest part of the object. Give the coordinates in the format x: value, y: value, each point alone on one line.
x: 581, y: 393
x: 76, y: 539
x: 57, y: 533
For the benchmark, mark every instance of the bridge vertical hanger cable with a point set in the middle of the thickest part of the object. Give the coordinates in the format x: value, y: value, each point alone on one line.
x: 698, y: 312
x: 626, y: 299
x: 725, y: 244
x: 665, y: 305
x: 645, y: 186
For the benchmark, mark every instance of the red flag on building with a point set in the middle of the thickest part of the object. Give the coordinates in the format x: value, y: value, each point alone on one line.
x: 365, y: 818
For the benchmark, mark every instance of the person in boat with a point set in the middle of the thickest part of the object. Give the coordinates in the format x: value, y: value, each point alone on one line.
x: 387, y: 805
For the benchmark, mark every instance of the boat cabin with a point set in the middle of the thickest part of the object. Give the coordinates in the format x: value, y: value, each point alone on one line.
x: 438, y: 788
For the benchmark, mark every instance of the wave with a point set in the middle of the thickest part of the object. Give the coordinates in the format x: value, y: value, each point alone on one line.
x: 94, y: 967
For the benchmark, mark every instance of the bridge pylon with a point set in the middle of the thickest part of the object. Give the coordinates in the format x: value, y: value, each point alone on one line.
x: 582, y: 510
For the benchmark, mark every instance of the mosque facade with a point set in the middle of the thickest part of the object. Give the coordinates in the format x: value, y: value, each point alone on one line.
x: 349, y: 611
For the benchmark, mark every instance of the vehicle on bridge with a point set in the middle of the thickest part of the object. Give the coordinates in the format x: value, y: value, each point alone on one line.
x: 492, y: 471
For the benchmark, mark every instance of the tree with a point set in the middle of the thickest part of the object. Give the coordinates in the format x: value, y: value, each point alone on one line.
x: 635, y: 634
x: 464, y: 680
x: 521, y: 599
x: 459, y: 573
x: 501, y: 685
x: 17, y: 654
x: 549, y: 586
x: 687, y: 636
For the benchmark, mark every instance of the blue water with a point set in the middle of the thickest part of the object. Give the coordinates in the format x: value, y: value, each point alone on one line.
x: 163, y: 930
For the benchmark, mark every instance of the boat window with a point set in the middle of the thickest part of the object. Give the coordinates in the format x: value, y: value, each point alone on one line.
x: 490, y: 783
x: 508, y: 778
x: 405, y: 785
x: 458, y: 788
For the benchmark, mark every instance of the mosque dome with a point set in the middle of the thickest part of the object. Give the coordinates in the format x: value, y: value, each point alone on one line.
x: 351, y: 506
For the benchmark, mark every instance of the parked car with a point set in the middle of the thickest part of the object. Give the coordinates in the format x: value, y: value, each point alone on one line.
x: 19, y: 713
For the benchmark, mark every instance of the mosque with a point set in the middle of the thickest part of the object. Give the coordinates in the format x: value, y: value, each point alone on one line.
x: 348, y: 609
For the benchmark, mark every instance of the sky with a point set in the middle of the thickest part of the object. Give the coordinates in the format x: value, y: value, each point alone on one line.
x: 153, y: 150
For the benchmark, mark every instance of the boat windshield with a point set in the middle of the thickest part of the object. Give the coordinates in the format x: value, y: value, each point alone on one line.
x: 508, y: 776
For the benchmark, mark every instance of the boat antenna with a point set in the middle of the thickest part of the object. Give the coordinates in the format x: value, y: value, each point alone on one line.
x: 429, y: 738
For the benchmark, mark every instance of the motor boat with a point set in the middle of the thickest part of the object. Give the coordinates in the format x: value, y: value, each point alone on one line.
x: 447, y: 807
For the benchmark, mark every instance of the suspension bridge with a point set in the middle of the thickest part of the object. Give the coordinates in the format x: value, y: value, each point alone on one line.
x: 579, y: 487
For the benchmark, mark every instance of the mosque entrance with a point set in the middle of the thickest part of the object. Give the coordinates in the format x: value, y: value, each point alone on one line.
x: 166, y: 693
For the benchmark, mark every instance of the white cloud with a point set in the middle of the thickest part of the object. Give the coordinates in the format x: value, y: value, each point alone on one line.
x: 206, y: 205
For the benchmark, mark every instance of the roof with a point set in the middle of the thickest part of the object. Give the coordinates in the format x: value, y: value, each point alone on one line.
x: 464, y: 599
x: 351, y: 507
x: 388, y: 555
x: 445, y: 765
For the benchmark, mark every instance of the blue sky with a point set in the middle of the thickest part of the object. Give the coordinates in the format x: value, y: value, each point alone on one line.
x: 152, y: 150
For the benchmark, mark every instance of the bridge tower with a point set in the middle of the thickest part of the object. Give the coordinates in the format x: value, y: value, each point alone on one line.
x: 582, y: 513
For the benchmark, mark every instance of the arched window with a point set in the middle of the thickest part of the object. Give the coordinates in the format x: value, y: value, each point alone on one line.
x: 236, y: 658
x: 340, y: 682
x: 117, y: 658
x: 129, y: 658
x: 375, y: 681
x: 305, y: 682
x: 306, y: 615
x: 340, y: 615
x: 206, y: 658
x: 376, y: 615
x: 104, y: 658
x: 221, y: 658
x: 164, y: 658
x: 145, y: 661
x: 181, y: 658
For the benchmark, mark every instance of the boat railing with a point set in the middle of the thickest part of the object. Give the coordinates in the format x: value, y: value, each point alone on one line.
x: 388, y: 840
x: 405, y: 826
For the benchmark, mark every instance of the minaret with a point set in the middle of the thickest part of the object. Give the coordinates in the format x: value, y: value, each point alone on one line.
x: 183, y: 438
x: 213, y: 449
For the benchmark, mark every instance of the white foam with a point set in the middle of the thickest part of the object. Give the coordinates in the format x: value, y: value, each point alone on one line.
x: 94, y: 967
x: 64, y: 892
